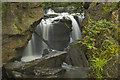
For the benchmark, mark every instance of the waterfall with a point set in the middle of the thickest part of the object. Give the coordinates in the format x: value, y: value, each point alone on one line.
x: 76, y: 33
x: 50, y: 11
x: 45, y: 29
x: 30, y: 52
x: 35, y: 46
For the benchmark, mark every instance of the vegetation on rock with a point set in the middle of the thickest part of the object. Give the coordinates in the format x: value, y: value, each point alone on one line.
x: 78, y: 6
x: 100, y: 40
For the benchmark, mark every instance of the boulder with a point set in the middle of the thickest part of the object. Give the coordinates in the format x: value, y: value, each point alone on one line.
x: 48, y: 65
x: 48, y: 72
x: 76, y: 56
x: 58, y: 33
x: 17, y: 74
x: 79, y: 72
x: 45, y: 52
x: 61, y: 37
x: 51, y: 60
x: 38, y: 72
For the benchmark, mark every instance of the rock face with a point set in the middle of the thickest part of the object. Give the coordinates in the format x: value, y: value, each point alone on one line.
x: 99, y: 11
x: 61, y: 37
x: 47, y: 72
x: 110, y: 12
x: 79, y: 72
x: 53, y: 59
x: 48, y: 65
x: 76, y: 56
x: 17, y: 21
x: 0, y: 35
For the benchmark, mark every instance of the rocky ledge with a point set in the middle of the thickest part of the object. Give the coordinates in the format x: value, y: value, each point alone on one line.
x: 47, y: 66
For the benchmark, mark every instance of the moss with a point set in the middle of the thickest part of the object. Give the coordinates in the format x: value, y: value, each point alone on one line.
x: 29, y: 7
x: 93, y: 4
x: 19, y: 9
x: 17, y: 28
x: 4, y: 9
x: 20, y: 12
x: 110, y: 7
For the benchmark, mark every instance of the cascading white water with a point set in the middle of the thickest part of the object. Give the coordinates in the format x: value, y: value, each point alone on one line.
x: 76, y: 33
x: 35, y: 46
x: 45, y: 29
x: 50, y: 11
x: 29, y: 52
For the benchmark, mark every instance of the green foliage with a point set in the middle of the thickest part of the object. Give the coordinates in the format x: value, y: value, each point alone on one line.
x: 4, y: 9
x: 99, y: 40
x: 98, y: 65
x: 29, y: 7
x: 20, y: 12
x: 109, y: 8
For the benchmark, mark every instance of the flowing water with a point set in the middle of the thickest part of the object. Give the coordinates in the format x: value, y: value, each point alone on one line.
x: 47, y: 29
x: 35, y: 46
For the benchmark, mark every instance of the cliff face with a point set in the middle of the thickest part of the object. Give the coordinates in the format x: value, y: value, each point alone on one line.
x: 99, y: 12
x: 18, y: 18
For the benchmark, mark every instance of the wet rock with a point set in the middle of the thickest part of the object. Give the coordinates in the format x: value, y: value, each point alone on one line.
x: 50, y: 16
x: 45, y: 52
x: 61, y: 37
x: 14, y: 65
x: 48, y: 63
x: 80, y: 72
x: 12, y: 68
x: 4, y: 73
x: 58, y: 33
x: 17, y: 74
x: 51, y: 60
x: 43, y: 72
x: 74, y: 72
x: 76, y: 56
